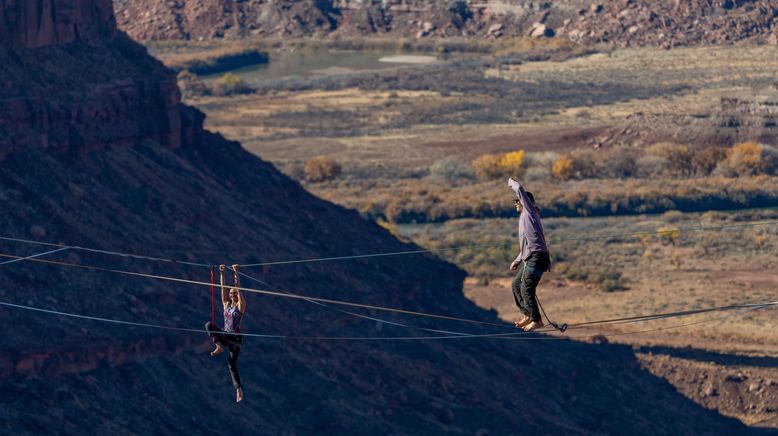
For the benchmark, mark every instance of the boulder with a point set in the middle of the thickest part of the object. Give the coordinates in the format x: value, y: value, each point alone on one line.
x: 495, y: 28
x: 539, y: 30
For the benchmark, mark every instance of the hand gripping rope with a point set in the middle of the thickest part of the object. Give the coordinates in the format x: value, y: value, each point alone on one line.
x: 213, y: 296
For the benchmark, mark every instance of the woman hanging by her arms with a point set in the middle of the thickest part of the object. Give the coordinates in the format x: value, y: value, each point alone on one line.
x: 234, y: 309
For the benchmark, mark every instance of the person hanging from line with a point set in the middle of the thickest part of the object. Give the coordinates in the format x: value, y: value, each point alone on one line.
x: 533, y: 259
x: 234, y: 309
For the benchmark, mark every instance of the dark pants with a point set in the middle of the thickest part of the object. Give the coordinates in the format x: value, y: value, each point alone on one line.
x: 526, y: 282
x: 232, y: 343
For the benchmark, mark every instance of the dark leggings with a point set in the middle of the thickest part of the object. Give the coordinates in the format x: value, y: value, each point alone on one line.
x: 525, y: 283
x: 232, y: 343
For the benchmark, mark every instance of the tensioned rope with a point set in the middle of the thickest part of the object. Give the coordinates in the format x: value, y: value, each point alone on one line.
x: 258, y: 291
x: 198, y: 264
x: 512, y: 336
x: 358, y: 315
x: 395, y: 253
x: 381, y: 308
x: 110, y: 252
x: 34, y: 256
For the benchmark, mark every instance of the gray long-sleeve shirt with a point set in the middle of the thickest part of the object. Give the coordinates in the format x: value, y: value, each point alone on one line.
x: 531, y: 236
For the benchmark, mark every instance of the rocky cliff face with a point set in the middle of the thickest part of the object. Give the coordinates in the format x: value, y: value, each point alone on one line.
x: 671, y: 23
x: 112, y: 160
x: 41, y: 23
x: 625, y: 22
x: 153, y: 19
x: 92, y: 87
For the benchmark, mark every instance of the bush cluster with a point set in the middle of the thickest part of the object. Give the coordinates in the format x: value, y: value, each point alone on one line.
x: 495, y: 166
x: 321, y: 168
x: 667, y: 160
x: 229, y: 84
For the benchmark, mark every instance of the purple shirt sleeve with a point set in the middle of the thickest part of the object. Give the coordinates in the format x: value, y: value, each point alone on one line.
x: 521, y: 194
x: 531, y: 236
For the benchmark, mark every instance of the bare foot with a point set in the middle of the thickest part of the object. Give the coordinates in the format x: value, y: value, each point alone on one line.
x: 219, y: 349
x: 239, y: 395
x: 533, y: 325
x: 524, y: 321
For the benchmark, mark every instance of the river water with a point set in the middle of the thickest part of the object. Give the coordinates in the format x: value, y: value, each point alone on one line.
x: 327, y: 62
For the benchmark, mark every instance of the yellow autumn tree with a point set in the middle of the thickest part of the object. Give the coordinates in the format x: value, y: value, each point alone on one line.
x: 562, y: 168
x: 487, y: 166
x: 512, y: 163
x: 744, y: 159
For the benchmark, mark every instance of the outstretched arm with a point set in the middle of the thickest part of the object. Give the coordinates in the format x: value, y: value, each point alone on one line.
x: 526, y: 203
x: 225, y: 296
x: 241, y: 300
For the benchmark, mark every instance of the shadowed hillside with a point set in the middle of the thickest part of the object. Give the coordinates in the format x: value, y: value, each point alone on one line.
x: 104, y: 155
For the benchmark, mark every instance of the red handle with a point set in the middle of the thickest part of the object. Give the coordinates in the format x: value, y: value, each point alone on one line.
x: 213, y: 297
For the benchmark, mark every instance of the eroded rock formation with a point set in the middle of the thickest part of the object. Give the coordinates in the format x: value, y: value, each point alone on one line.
x: 665, y: 23
x: 71, y: 81
x: 41, y: 23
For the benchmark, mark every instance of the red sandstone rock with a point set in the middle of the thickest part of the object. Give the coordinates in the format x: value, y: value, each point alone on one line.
x: 53, y: 99
x: 41, y: 23
x: 624, y: 23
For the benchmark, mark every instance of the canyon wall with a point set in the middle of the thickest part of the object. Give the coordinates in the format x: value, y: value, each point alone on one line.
x: 665, y: 23
x: 92, y: 85
x: 42, y: 23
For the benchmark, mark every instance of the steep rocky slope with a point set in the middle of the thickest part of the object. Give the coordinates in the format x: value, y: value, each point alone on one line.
x: 621, y: 22
x: 123, y: 173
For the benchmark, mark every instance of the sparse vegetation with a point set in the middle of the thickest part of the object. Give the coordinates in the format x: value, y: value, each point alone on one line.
x: 494, y: 166
x: 191, y: 85
x: 418, y: 200
x: 451, y: 169
x: 748, y: 159
x: 321, y: 168
x: 487, y: 166
x: 563, y: 168
x: 229, y: 84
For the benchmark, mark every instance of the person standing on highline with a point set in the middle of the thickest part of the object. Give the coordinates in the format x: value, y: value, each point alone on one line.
x: 533, y: 259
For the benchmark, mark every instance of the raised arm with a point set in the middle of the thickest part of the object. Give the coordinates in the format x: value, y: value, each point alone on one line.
x: 241, y: 300
x: 520, y: 193
x: 225, y: 294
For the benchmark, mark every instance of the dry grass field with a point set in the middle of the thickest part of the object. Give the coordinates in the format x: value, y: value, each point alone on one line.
x: 513, y: 106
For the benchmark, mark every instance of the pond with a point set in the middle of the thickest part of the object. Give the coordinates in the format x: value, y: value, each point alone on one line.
x: 286, y: 64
